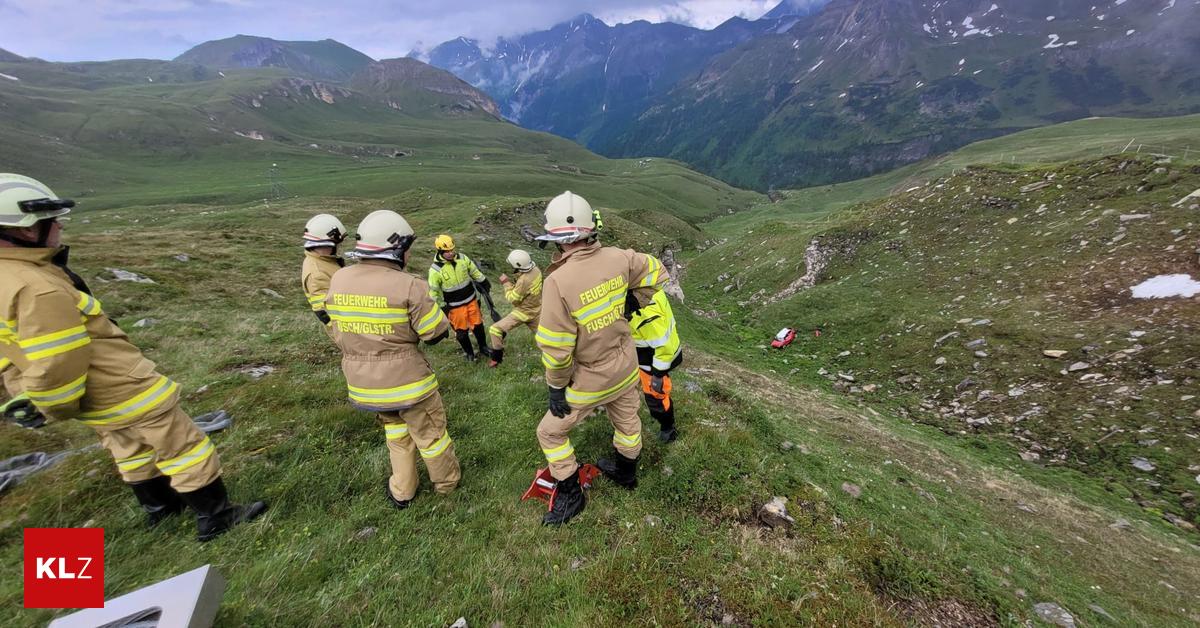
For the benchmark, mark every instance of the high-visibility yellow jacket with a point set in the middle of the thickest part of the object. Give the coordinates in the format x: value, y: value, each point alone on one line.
x: 525, y: 294
x: 583, y: 334
x: 379, y: 315
x: 656, y: 336
x: 450, y: 282
x: 74, y: 362
x: 314, y: 277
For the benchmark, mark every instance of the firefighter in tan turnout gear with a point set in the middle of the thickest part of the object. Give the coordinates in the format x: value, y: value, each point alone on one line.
x: 380, y: 313
x: 587, y: 347
x: 75, y: 363
x: 322, y: 235
x: 525, y: 295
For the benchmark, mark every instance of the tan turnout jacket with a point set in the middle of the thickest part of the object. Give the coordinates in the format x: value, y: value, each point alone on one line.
x: 315, y: 275
x: 74, y: 362
x: 379, y: 314
x: 584, y: 337
x: 525, y: 295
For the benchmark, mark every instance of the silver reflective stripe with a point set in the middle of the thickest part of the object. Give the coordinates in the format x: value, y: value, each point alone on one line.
x: 463, y: 302
x: 21, y: 185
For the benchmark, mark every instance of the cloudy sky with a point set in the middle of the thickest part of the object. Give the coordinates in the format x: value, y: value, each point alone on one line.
x: 71, y: 30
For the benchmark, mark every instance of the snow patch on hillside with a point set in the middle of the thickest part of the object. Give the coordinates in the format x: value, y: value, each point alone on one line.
x: 1166, y: 286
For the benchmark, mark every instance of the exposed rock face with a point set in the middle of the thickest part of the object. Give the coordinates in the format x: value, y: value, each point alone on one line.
x: 817, y: 258
x: 390, y: 76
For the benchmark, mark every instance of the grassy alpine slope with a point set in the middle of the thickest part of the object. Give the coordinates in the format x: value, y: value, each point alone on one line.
x: 216, y: 138
x: 895, y: 524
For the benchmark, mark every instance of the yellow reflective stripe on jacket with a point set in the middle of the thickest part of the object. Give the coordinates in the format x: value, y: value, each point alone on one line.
x: 550, y: 362
x: 561, y: 453
x: 438, y: 448
x: 153, y: 397
x: 430, y: 321
x: 191, y: 458
x: 136, y: 461
x: 604, y: 306
x: 397, y: 395
x: 555, y: 338
x: 88, y: 304
x: 654, y: 270
x: 512, y: 295
x: 316, y: 302
x: 626, y: 440
x: 582, y: 398
x: 59, y: 396
x: 358, y: 314
x: 5, y: 363
x: 8, y: 329
x: 57, y: 343
x: 395, y: 431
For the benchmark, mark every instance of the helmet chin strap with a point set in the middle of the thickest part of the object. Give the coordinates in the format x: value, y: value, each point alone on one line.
x: 44, y: 227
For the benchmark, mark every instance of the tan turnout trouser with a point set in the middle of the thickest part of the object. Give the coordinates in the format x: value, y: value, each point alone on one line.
x: 164, y: 442
x: 497, y: 332
x: 420, y: 429
x: 622, y: 411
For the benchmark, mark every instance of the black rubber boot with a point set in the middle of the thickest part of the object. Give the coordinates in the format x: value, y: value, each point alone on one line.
x: 395, y: 502
x: 481, y: 339
x: 666, y: 425
x: 157, y: 498
x: 215, y: 514
x: 621, y: 470
x: 464, y: 340
x: 568, y: 502
x: 497, y: 358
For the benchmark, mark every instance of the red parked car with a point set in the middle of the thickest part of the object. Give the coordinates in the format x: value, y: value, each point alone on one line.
x: 784, y: 338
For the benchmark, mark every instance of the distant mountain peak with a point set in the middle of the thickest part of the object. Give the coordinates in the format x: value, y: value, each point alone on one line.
x: 795, y: 8
x: 325, y: 59
x: 10, y: 57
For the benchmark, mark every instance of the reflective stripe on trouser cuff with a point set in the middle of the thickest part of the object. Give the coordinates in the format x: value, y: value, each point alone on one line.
x: 558, y: 454
x: 139, y: 405
x: 396, y: 431
x: 627, y: 441
x: 136, y: 461
x: 438, y: 448
x: 581, y: 398
x: 495, y: 331
x: 60, y: 395
x: 193, y: 457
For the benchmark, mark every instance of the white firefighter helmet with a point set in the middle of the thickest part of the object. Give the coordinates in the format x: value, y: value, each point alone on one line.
x: 323, y: 230
x: 384, y: 234
x: 569, y: 218
x: 25, y: 201
x: 520, y: 260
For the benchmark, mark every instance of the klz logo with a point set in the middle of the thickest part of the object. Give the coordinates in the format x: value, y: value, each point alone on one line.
x: 64, y: 567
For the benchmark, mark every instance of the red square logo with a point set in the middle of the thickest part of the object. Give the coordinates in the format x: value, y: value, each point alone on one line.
x: 64, y: 567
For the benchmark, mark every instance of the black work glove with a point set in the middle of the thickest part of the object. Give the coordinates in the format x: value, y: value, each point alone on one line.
x: 656, y: 384
x: 485, y: 285
x: 632, y: 305
x: 558, y: 402
x: 323, y: 316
